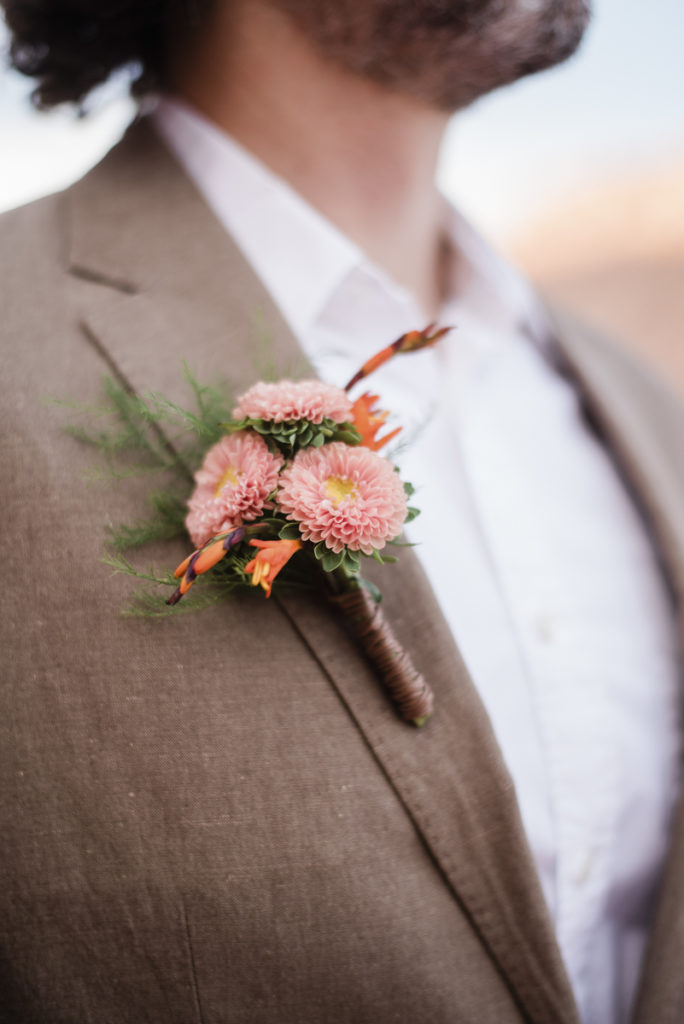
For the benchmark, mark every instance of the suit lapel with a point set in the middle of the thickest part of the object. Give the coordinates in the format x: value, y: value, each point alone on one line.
x: 175, y: 287
x: 643, y: 424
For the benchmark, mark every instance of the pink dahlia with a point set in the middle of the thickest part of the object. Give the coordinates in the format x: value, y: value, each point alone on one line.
x: 343, y: 495
x: 294, y: 400
x: 237, y: 475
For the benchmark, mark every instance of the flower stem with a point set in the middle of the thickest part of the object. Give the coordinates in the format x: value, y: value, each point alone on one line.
x: 406, y: 686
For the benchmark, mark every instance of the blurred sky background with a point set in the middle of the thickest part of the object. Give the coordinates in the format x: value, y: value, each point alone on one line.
x: 578, y: 172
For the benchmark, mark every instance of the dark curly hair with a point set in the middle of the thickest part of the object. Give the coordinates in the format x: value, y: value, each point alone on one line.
x: 71, y: 46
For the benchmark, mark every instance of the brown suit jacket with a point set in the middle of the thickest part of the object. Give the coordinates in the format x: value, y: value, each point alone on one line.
x: 218, y: 818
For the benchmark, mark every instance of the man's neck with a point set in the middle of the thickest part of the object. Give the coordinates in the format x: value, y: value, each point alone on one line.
x: 364, y: 156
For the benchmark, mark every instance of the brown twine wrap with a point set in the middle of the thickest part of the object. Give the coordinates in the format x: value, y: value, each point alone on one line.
x: 407, y: 687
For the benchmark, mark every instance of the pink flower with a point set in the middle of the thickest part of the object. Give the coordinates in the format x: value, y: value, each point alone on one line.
x: 237, y: 475
x: 294, y: 400
x: 343, y: 495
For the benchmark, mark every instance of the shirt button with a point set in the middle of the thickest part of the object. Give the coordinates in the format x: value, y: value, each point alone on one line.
x: 543, y: 627
x: 582, y: 868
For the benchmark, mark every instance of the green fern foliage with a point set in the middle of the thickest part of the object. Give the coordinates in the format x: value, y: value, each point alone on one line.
x: 149, y: 435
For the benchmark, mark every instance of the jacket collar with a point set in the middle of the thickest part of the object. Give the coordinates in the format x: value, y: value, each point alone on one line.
x: 642, y: 422
x: 173, y: 286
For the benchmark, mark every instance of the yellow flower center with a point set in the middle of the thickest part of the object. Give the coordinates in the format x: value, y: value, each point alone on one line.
x: 230, y: 476
x: 338, y: 488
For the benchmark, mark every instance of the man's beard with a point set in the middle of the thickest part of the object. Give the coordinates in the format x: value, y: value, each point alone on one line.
x: 445, y: 53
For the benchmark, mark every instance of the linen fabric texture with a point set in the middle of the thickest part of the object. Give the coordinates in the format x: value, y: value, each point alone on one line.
x: 533, y: 546
x: 219, y: 818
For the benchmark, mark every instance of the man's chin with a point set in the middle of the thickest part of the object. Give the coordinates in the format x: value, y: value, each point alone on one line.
x: 516, y: 51
x: 446, y: 56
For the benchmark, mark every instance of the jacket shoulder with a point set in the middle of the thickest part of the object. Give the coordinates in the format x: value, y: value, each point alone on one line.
x: 32, y: 268
x: 30, y: 236
x: 38, y: 328
x: 614, y: 361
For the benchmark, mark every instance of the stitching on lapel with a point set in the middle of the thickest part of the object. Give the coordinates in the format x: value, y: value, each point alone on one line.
x: 429, y: 836
x: 540, y: 986
x: 529, y: 986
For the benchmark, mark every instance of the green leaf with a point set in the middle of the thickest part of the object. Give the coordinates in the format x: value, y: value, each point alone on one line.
x: 318, y: 440
x: 409, y: 489
x: 374, y: 591
x: 321, y: 549
x: 352, y: 561
x: 411, y: 514
x: 383, y: 559
x: 348, y: 436
x: 332, y: 561
x: 271, y: 522
x: 164, y: 407
x: 290, y: 531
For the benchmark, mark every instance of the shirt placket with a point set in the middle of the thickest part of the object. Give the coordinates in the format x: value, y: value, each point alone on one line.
x: 570, y: 706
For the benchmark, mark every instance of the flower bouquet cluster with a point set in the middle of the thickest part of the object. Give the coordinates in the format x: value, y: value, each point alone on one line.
x: 292, y: 491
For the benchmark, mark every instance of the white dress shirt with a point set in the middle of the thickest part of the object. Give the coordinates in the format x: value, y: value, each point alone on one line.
x: 537, y: 555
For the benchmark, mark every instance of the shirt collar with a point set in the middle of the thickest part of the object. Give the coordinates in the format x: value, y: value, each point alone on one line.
x: 300, y: 256
x: 304, y: 261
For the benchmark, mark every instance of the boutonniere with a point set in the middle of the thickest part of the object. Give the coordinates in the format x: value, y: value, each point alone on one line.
x: 292, y: 491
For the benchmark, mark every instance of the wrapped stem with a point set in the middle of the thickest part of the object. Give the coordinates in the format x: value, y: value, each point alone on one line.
x: 406, y: 686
